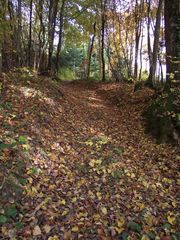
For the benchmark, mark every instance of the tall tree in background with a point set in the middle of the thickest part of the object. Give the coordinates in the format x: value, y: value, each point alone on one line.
x: 19, y: 32
x: 156, y: 44
x: 148, y: 31
x: 103, y: 23
x: 138, y: 28
x: 30, y: 33
x: 53, y: 7
x: 172, y: 37
x: 91, y: 50
x: 61, y: 25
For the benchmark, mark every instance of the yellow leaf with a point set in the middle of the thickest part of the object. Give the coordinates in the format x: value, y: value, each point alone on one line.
x: 54, y: 238
x: 120, y: 222
x: 174, y: 203
x: 62, y: 202
x: 75, y: 229
x: 74, y: 199
x: 164, y: 205
x: 119, y: 229
x: 140, y: 205
x: 145, y: 237
x: 51, y: 187
x: 167, y: 180
x: 98, y: 194
x: 104, y: 210
x: 81, y: 214
x: 171, y: 219
x: 150, y: 219
x: 64, y: 213
x: 53, y: 157
x: 96, y: 217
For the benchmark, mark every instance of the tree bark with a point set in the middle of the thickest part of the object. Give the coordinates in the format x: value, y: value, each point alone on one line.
x: 90, y: 51
x: 148, y: 33
x: 30, y: 34
x: 172, y: 37
x: 19, y: 32
x: 103, y: 21
x: 137, y: 38
x: 156, y: 44
x: 61, y: 25
x: 51, y: 30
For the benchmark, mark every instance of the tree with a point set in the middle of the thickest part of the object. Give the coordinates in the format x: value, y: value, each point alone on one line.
x: 156, y: 43
x: 103, y: 22
x: 30, y: 34
x: 90, y: 51
x: 61, y: 24
x: 53, y: 7
x: 172, y: 37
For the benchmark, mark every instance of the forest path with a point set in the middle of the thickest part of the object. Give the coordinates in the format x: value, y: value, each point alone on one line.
x: 92, y: 172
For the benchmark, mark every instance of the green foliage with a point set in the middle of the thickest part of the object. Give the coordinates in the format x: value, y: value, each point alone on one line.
x: 3, y: 219
x: 134, y: 227
x: 66, y: 74
x: 117, y: 174
x: 71, y: 57
x: 11, y: 211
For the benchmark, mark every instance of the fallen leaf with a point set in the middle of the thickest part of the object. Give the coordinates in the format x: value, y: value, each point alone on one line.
x: 36, y: 231
x: 75, y: 229
x: 104, y: 210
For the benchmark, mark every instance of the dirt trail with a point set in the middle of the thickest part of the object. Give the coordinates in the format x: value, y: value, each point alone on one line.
x: 92, y: 170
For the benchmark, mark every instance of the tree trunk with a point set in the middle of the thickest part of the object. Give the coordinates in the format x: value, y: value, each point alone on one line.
x: 141, y: 55
x: 51, y: 31
x: 103, y: 21
x: 19, y: 32
x: 148, y: 33
x: 172, y: 37
x: 30, y: 34
x: 137, y: 38
x: 156, y: 44
x: 61, y: 18
x: 42, y: 40
x: 90, y: 51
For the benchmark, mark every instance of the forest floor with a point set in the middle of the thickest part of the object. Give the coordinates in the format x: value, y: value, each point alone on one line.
x: 76, y: 164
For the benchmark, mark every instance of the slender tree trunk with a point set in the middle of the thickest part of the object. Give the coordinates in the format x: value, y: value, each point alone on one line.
x: 156, y: 44
x: 30, y: 34
x: 148, y: 33
x: 61, y: 18
x: 141, y: 55
x: 42, y: 40
x: 51, y: 30
x: 103, y: 21
x: 99, y: 55
x: 136, y: 43
x: 90, y: 51
x: 19, y: 32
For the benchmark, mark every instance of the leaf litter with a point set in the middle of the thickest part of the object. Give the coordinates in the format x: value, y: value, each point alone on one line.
x: 82, y: 167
